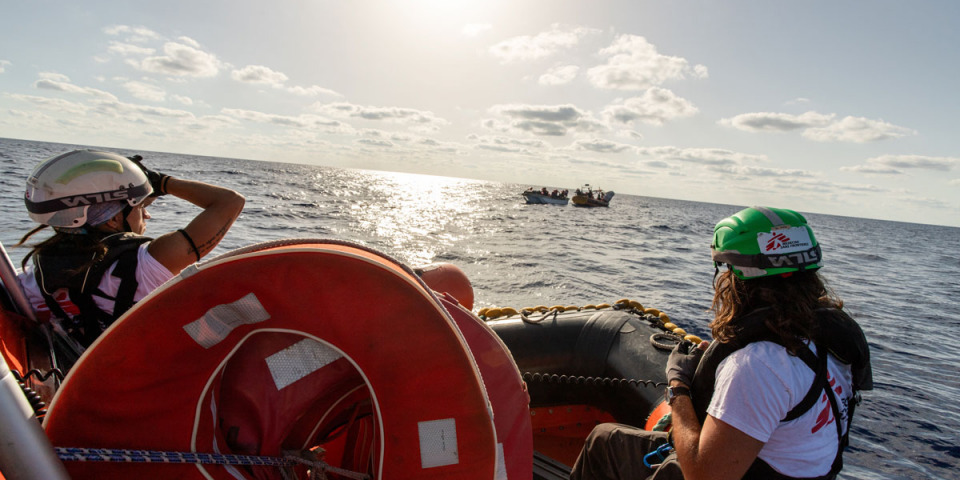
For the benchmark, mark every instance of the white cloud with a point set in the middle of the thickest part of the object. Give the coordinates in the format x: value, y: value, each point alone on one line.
x: 857, y: 130
x: 183, y: 58
x: 312, y: 91
x: 182, y: 99
x: 475, y: 29
x: 133, y: 34
x: 895, y: 164
x: 635, y: 64
x: 499, y: 140
x: 600, y: 145
x: 541, y: 45
x: 127, y: 49
x: 873, y: 169
x: 702, y: 156
x: 655, y: 107
x: 507, y: 144
x: 55, y: 104
x: 751, y: 171
x: 261, y: 75
x: 4, y: 64
x: 145, y: 91
x: 559, y: 75
x: 189, y: 41
x: 819, y: 127
x: 374, y: 142
x: 546, y: 120
x: 423, y: 120
x: 300, y: 121
x: 61, y: 83
x: 258, y: 74
x: 631, y: 134
x: 777, y: 122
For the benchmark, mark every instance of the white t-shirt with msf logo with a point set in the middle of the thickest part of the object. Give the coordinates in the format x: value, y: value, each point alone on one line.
x: 756, y: 387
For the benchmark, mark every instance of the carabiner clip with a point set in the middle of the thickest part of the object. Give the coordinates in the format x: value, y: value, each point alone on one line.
x: 660, y: 454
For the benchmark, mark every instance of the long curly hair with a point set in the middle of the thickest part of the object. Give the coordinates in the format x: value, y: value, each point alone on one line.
x: 792, y: 298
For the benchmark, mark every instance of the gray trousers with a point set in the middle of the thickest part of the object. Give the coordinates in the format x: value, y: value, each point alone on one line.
x: 615, y: 452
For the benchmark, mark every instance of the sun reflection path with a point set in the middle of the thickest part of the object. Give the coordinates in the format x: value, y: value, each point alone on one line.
x: 418, y: 216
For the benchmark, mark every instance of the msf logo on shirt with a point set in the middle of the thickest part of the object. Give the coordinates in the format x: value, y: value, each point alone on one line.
x: 826, y: 411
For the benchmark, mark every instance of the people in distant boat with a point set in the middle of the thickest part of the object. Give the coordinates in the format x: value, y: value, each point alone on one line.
x: 97, y: 263
x: 543, y: 191
x: 775, y: 391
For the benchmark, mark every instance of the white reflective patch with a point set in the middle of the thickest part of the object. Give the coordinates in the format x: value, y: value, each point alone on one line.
x: 501, y: 473
x: 438, y: 443
x: 219, y: 321
x: 299, y: 360
x: 784, y: 240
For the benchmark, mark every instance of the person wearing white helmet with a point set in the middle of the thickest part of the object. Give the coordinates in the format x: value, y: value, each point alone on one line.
x: 97, y: 263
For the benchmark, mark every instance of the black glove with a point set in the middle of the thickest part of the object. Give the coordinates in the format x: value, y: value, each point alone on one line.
x: 157, y: 180
x: 682, y: 362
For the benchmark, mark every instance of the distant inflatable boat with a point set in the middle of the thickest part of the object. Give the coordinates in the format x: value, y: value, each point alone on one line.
x: 586, y: 197
x: 539, y: 198
x: 292, y: 358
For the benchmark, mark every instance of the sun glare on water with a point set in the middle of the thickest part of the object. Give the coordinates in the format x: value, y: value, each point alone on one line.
x: 420, y: 214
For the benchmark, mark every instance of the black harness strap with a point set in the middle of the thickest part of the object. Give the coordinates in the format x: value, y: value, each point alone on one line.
x: 819, y: 366
x: 125, y: 270
x: 83, y: 286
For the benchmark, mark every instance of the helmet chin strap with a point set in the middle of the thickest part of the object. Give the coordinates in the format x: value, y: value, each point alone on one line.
x: 127, y: 209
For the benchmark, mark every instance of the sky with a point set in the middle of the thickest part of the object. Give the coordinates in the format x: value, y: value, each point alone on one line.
x: 837, y: 107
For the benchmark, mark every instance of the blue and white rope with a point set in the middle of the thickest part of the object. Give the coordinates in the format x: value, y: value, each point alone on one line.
x: 153, y: 456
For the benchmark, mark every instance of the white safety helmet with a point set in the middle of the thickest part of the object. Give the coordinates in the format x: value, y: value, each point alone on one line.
x: 61, y: 190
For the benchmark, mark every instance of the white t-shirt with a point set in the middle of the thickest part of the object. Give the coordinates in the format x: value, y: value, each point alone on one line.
x: 150, y: 274
x: 757, y: 385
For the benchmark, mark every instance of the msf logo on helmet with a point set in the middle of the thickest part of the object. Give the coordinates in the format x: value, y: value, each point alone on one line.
x: 92, y: 198
x: 777, y: 241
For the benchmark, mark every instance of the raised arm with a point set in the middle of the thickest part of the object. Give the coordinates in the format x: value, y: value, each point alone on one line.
x: 221, y: 207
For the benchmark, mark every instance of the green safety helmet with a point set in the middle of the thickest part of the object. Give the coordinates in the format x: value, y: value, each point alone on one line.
x: 759, y: 241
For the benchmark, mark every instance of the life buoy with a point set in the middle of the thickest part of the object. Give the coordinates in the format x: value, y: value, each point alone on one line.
x: 506, y: 389
x: 448, y: 278
x: 289, y: 346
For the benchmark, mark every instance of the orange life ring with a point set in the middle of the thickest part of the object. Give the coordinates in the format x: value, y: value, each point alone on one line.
x: 448, y: 278
x: 292, y: 346
x: 507, y: 391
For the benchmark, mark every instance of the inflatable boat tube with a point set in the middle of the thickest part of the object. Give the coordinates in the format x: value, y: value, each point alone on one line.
x: 595, y: 344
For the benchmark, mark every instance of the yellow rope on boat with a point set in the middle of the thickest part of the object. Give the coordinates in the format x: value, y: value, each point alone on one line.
x: 493, y: 313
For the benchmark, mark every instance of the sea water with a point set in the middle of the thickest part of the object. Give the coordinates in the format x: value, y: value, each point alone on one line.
x: 899, y: 280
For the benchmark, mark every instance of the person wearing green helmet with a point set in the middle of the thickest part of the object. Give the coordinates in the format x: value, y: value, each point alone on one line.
x: 97, y: 263
x: 773, y: 395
